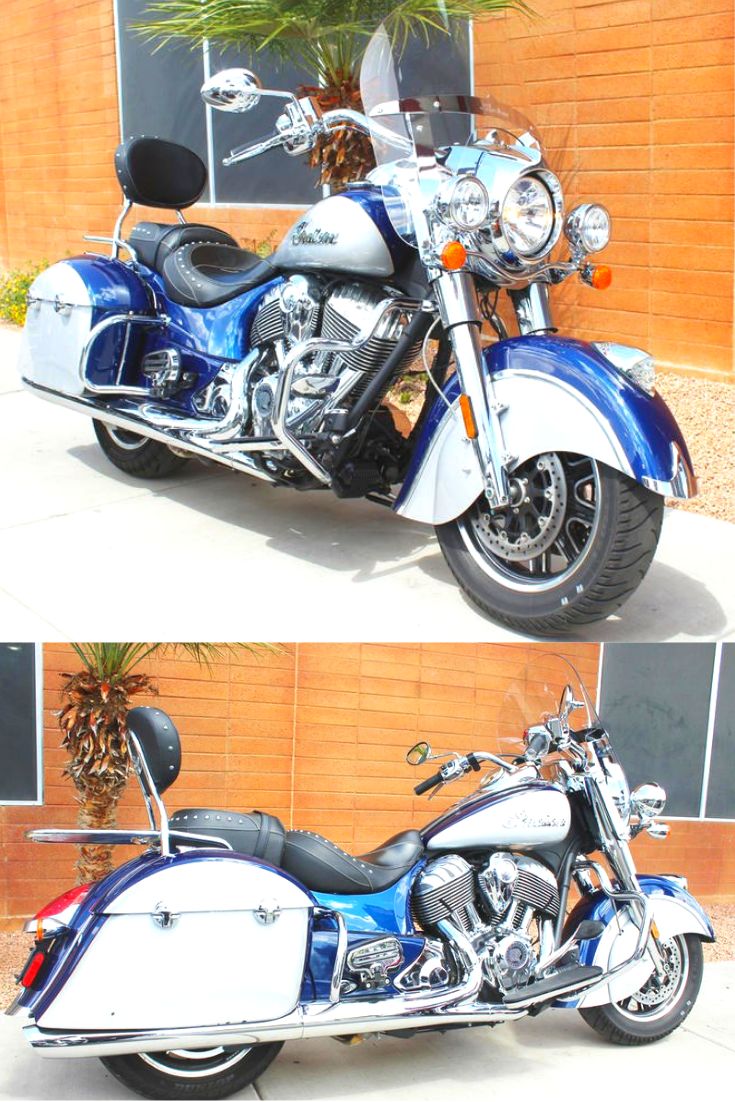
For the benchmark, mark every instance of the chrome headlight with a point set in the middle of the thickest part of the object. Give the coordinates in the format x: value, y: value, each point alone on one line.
x: 648, y: 800
x: 588, y: 228
x: 527, y: 216
x: 464, y: 203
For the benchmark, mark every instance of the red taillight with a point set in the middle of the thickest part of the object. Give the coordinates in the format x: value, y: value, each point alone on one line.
x: 72, y: 898
x: 32, y: 969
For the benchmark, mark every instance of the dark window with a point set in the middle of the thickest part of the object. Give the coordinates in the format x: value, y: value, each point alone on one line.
x: 654, y: 701
x: 159, y: 95
x: 20, y: 746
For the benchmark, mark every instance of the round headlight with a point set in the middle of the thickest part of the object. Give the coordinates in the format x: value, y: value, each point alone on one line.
x: 464, y: 203
x: 527, y: 216
x: 588, y: 227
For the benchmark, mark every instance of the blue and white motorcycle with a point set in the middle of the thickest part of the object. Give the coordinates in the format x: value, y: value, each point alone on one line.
x: 186, y: 969
x: 542, y: 461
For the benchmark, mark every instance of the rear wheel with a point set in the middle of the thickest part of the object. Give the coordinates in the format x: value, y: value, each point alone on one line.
x: 575, y: 541
x: 215, y: 1072
x: 661, y: 1004
x: 136, y: 455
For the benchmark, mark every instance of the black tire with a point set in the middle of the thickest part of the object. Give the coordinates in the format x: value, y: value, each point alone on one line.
x: 625, y: 1027
x: 165, y: 1075
x: 611, y: 559
x: 137, y: 455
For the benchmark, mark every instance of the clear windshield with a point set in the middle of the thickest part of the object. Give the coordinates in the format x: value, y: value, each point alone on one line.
x: 547, y: 687
x: 421, y: 118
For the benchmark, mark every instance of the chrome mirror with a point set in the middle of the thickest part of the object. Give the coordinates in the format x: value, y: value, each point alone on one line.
x: 418, y: 754
x: 648, y: 800
x: 232, y: 90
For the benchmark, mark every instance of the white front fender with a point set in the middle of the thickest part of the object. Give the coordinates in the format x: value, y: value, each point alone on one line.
x: 555, y: 396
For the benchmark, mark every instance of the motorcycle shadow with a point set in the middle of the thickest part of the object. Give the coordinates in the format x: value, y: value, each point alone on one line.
x: 368, y: 542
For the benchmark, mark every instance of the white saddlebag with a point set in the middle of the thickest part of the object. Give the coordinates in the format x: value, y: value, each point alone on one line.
x: 232, y: 949
x: 58, y: 322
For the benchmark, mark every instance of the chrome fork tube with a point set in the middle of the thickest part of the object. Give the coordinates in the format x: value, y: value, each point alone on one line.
x: 460, y: 314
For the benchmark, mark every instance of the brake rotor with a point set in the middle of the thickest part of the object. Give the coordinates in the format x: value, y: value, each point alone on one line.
x: 533, y: 520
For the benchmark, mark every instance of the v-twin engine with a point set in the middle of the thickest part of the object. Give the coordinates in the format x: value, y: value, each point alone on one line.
x: 494, y: 903
x: 305, y: 307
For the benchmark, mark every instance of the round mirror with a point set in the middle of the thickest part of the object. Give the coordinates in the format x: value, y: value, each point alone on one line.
x: 648, y: 800
x: 232, y: 90
x: 418, y: 754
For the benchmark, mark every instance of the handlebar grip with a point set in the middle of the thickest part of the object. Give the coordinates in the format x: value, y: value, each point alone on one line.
x: 430, y: 782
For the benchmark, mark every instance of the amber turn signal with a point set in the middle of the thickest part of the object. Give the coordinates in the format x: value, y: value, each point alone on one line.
x: 454, y: 256
x: 600, y: 277
x: 468, y: 416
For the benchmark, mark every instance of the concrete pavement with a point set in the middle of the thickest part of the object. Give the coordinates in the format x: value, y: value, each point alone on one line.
x: 86, y: 550
x: 551, y: 1058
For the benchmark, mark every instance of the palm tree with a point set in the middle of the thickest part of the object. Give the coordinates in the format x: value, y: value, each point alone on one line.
x: 96, y: 702
x: 326, y: 37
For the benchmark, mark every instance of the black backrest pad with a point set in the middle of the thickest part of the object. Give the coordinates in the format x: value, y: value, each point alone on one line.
x: 159, y: 741
x: 159, y: 174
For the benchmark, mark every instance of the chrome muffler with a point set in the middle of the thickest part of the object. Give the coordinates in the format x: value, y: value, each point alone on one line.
x: 129, y: 418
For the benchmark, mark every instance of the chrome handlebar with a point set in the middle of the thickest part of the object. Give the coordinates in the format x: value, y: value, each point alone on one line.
x: 298, y: 127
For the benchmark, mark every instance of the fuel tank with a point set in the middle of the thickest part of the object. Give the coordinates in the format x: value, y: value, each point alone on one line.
x: 522, y: 817
x: 350, y: 232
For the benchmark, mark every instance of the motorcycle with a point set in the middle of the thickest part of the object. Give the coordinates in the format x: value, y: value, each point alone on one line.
x: 186, y: 969
x: 541, y: 461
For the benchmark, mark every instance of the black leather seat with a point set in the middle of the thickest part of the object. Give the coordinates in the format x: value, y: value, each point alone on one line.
x: 322, y: 866
x: 204, y: 274
x: 253, y: 833
x: 155, y: 241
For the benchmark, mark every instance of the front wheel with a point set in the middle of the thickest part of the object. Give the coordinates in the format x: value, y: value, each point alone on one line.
x: 660, y: 1005
x: 193, y: 1073
x: 575, y: 541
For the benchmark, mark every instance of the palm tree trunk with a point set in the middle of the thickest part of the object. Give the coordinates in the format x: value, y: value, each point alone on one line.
x: 98, y: 802
x: 346, y: 155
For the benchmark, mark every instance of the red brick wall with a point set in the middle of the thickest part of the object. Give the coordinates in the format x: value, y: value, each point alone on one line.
x: 639, y: 92
x: 317, y: 735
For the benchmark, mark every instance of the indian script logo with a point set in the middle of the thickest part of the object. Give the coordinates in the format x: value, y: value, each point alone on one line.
x: 303, y: 234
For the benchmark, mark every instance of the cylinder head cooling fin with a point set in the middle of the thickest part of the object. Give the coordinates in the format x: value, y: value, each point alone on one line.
x: 443, y: 888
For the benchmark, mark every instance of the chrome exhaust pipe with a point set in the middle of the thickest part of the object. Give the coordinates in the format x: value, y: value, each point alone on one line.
x: 414, y: 1010
x: 198, y: 428
x: 130, y: 420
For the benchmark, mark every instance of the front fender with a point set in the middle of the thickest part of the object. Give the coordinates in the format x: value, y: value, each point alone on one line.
x: 556, y: 394
x: 675, y: 911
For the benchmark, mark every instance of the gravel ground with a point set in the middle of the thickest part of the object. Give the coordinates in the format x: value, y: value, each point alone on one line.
x: 706, y: 413
x: 15, y: 947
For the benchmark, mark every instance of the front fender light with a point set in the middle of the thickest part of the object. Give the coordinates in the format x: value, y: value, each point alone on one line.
x: 633, y: 362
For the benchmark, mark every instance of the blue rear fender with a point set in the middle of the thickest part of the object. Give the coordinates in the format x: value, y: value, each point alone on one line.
x: 556, y: 394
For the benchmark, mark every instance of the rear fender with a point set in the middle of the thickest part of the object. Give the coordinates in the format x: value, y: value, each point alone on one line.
x: 556, y: 395
x: 675, y: 912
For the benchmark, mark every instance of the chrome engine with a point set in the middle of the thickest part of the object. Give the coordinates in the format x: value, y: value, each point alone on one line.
x: 304, y: 307
x: 494, y: 904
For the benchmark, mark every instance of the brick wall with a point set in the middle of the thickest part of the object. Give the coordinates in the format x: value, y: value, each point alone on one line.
x: 317, y: 735
x: 638, y: 92
x: 634, y: 101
